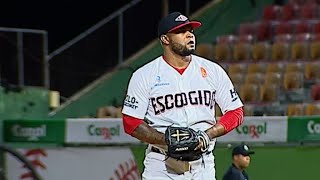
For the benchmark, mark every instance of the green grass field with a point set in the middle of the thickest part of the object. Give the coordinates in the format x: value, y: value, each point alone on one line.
x: 269, y: 163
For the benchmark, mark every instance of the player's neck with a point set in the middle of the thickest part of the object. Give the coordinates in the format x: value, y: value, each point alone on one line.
x: 176, y: 60
x: 238, y: 166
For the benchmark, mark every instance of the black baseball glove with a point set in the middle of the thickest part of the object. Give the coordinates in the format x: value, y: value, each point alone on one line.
x: 182, y: 142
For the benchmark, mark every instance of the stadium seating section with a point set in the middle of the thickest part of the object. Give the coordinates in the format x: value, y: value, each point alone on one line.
x: 274, y: 61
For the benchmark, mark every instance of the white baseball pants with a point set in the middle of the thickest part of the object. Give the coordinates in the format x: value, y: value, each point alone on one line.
x: 155, y: 169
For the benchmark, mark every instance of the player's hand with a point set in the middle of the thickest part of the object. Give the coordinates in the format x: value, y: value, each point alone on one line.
x: 204, y: 141
x: 199, y: 145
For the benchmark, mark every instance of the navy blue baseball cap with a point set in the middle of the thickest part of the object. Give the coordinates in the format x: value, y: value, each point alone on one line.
x: 242, y: 149
x: 175, y: 21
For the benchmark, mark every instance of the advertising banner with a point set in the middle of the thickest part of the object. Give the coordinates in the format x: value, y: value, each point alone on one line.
x: 107, y: 163
x: 304, y: 128
x: 97, y: 131
x: 34, y: 131
x: 259, y: 129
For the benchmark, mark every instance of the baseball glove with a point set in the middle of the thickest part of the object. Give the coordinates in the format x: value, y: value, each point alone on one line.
x: 182, y: 142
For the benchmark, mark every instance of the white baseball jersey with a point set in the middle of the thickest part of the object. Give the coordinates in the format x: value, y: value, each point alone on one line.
x: 165, y: 97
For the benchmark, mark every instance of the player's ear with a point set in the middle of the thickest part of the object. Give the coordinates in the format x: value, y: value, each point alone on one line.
x: 164, y: 39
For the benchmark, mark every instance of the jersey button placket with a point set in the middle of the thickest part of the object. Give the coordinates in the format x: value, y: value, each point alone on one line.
x: 182, y: 88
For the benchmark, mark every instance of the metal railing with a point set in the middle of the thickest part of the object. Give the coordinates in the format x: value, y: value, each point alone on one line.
x: 18, y: 47
x: 118, y: 14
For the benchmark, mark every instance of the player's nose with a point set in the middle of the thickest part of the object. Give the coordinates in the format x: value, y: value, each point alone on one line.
x: 190, y: 34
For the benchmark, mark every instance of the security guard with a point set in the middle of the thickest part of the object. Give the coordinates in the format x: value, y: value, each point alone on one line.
x: 240, y: 161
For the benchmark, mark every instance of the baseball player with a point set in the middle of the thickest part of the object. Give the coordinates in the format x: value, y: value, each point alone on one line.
x: 179, y: 89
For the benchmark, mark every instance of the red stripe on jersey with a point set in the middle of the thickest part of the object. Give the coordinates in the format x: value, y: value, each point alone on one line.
x: 130, y: 123
x: 231, y: 119
x: 180, y: 71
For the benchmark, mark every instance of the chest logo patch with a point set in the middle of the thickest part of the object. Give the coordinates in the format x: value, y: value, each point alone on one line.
x: 158, y: 82
x: 203, y: 72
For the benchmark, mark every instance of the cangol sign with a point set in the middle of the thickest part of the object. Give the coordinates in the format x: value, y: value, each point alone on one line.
x: 32, y: 133
x: 254, y: 130
x: 313, y: 127
x: 259, y: 129
x: 105, y: 132
x: 97, y: 131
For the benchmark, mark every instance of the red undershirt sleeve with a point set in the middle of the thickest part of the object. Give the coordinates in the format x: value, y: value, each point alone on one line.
x: 130, y: 123
x: 231, y: 119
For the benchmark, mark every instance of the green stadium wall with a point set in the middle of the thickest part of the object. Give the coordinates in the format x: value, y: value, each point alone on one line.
x: 27, y: 103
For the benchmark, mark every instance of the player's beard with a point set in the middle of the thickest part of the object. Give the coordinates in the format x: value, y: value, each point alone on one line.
x: 180, y: 49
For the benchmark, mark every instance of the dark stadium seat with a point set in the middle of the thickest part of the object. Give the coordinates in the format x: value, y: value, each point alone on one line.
x: 249, y: 93
x: 314, y: 26
x: 237, y: 68
x: 300, y: 47
x: 312, y: 109
x: 276, y: 67
x: 270, y: 12
x: 287, y: 12
x: 302, y: 26
x: 241, y: 51
x: 263, y: 30
x: 273, y: 78
x: 205, y: 50
x: 293, y: 80
x: 294, y: 67
x: 282, y: 27
x: 315, y: 50
x: 261, y: 51
x: 295, y: 110
x: 312, y: 71
x: 296, y: 2
x: 254, y: 78
x: 309, y: 11
x: 300, y: 50
x: 222, y: 52
x: 269, y: 93
x: 280, y: 51
x: 257, y: 68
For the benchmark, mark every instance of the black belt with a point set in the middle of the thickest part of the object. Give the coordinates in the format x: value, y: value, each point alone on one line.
x: 157, y: 150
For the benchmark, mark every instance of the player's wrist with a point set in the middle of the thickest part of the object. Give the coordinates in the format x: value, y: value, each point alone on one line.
x: 215, y: 131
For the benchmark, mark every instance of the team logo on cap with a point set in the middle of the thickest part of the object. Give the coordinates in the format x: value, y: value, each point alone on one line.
x: 181, y: 18
x: 246, y: 147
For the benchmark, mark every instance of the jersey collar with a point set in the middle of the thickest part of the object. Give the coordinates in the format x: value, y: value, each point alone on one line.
x: 179, y: 70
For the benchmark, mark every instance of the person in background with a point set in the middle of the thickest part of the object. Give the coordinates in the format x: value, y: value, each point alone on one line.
x: 240, y: 161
